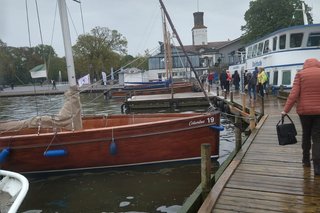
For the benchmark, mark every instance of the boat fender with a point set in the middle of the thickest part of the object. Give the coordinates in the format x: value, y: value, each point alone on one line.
x: 4, y: 154
x: 55, y: 153
x: 113, y: 147
x: 218, y: 128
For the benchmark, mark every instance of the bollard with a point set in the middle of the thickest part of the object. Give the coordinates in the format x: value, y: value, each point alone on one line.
x: 244, y: 97
x: 217, y: 90
x: 238, y: 133
x: 205, y: 169
x: 252, y: 118
x: 231, y: 96
x: 262, y: 106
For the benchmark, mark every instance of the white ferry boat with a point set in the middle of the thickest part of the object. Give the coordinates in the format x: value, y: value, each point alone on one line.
x: 282, y: 53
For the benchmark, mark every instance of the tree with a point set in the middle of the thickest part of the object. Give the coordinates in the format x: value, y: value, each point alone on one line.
x: 99, y: 50
x: 266, y: 16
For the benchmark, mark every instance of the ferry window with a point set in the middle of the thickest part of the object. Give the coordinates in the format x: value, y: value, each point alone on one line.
x: 282, y: 42
x: 260, y: 47
x: 266, y: 46
x: 275, y: 78
x: 274, y: 46
x: 249, y: 52
x: 254, y: 51
x: 296, y: 40
x: 286, y: 77
x: 313, y: 40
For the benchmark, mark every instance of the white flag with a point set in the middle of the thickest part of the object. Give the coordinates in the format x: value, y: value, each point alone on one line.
x: 39, y: 71
x: 84, y: 80
x: 104, y: 78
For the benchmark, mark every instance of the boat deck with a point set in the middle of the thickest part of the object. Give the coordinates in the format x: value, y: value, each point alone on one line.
x: 266, y: 177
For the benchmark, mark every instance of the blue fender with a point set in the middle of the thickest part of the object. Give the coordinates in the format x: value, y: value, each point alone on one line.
x: 113, y: 147
x: 55, y: 153
x: 4, y: 154
x: 218, y: 128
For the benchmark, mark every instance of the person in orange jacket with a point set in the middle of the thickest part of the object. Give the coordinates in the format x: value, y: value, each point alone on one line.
x: 306, y: 93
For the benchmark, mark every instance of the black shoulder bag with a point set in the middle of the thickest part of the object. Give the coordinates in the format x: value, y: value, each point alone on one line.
x: 286, y: 132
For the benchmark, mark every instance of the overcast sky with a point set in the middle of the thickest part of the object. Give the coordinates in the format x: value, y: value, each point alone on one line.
x: 137, y: 20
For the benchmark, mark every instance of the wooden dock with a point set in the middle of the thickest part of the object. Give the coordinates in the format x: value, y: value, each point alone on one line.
x: 266, y: 177
x: 176, y: 100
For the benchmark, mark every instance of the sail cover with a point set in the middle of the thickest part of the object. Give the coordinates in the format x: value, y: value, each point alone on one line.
x: 69, y: 116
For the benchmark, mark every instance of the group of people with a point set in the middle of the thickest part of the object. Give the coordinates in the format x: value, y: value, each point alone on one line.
x: 256, y: 82
x: 253, y: 82
x: 226, y: 79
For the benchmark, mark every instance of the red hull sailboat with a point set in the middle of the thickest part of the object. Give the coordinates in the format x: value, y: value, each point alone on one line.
x: 111, y: 141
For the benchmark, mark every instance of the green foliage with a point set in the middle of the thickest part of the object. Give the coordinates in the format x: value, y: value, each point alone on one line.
x: 15, y: 63
x: 99, y: 51
x: 266, y: 16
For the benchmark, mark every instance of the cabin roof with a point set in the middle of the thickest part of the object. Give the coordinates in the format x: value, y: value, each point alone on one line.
x: 283, y: 30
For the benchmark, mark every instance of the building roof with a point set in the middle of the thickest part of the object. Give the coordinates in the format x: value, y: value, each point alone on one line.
x: 211, y: 46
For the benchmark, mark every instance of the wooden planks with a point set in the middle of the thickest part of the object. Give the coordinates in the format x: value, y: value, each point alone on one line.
x: 269, y: 178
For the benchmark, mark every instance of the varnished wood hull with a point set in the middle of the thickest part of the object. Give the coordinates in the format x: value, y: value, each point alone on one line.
x: 169, y: 137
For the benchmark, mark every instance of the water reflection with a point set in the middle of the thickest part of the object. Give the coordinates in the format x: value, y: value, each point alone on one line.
x: 152, y: 188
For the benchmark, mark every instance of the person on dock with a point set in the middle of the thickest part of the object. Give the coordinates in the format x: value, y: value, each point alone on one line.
x: 236, y: 80
x: 210, y: 78
x: 228, y: 83
x: 223, y: 80
x: 54, y: 87
x: 306, y: 92
x: 262, y: 81
x: 252, y: 84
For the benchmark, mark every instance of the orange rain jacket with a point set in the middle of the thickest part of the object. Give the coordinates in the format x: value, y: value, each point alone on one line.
x: 306, y: 89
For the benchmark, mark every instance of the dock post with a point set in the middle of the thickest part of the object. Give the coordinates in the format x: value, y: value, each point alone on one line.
x: 238, y: 133
x: 262, y: 106
x: 244, y: 97
x: 205, y: 169
x: 252, y: 119
x: 208, y: 87
x: 231, y: 96
x: 217, y: 90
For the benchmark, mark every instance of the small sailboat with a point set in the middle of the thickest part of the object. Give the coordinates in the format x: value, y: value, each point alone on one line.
x: 13, y: 189
x: 69, y: 141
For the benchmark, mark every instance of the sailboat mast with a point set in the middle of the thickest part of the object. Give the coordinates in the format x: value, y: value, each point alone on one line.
x: 167, y: 49
x: 67, y: 42
x: 184, y: 51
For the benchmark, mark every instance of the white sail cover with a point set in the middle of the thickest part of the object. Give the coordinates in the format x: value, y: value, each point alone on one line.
x: 69, y: 116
